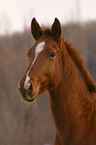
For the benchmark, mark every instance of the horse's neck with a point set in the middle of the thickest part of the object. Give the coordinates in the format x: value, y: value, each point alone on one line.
x: 71, y: 103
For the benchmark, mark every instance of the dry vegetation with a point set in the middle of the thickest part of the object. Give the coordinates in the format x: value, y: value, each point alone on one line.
x: 21, y: 123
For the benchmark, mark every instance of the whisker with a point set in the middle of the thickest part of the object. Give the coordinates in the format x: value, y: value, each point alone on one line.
x: 26, y: 105
x: 35, y: 105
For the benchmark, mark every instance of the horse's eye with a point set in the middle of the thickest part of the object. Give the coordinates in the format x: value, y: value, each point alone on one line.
x: 52, y: 54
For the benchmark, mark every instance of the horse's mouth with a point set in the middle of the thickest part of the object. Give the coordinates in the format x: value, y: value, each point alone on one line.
x: 29, y: 98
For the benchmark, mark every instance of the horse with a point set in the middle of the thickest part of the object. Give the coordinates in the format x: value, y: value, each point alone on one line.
x: 55, y: 65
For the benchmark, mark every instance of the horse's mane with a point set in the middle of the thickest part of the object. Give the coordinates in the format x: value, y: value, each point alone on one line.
x: 78, y: 61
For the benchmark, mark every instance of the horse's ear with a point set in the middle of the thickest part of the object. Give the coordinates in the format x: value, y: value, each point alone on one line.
x: 35, y: 29
x: 56, y: 29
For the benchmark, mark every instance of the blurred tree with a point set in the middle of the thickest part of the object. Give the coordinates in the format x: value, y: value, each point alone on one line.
x: 91, y: 47
x: 75, y: 33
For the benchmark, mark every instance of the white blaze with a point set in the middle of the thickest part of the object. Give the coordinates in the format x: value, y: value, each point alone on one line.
x: 38, y: 50
x: 26, y: 83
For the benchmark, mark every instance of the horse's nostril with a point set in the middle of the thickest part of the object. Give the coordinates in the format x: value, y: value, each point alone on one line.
x: 19, y: 89
x: 29, y: 90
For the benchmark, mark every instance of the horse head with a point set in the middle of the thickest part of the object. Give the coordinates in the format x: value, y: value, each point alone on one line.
x: 44, y: 69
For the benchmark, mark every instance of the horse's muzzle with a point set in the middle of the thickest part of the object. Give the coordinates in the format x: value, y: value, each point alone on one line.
x: 26, y: 91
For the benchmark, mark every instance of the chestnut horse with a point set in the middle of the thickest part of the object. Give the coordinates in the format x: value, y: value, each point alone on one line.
x: 55, y: 65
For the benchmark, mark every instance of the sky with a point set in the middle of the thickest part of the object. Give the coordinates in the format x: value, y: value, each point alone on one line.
x: 16, y: 14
